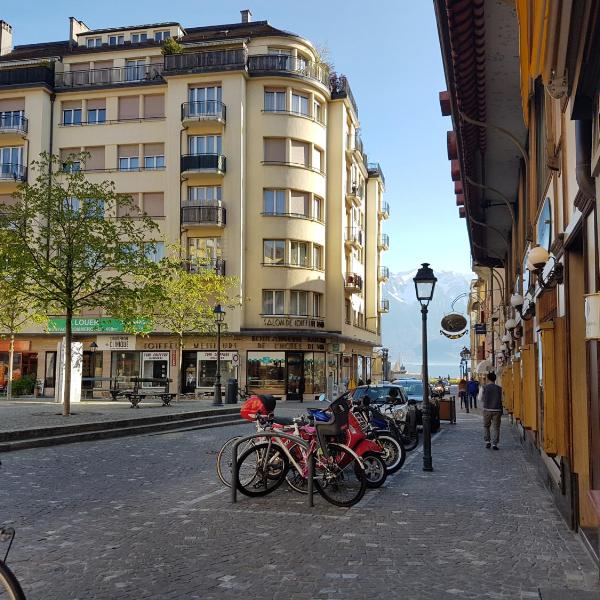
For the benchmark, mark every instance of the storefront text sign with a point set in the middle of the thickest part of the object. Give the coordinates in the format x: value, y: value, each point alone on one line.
x: 116, y: 342
x: 156, y: 356
x: 91, y: 324
x: 230, y: 356
x: 20, y: 345
x: 293, y: 322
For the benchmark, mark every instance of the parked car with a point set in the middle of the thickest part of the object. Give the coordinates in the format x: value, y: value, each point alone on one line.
x: 413, y: 389
x: 379, y: 394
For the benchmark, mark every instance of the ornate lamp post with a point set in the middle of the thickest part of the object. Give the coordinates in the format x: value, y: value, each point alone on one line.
x: 219, y: 314
x: 465, y: 354
x: 425, y: 282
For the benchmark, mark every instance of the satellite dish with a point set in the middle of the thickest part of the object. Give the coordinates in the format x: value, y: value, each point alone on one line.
x: 454, y: 323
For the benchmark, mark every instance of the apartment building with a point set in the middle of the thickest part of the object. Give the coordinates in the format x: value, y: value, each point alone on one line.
x: 244, y: 148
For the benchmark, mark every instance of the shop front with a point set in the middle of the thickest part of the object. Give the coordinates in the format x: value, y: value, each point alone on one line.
x: 200, y: 369
x: 144, y: 364
x: 25, y: 362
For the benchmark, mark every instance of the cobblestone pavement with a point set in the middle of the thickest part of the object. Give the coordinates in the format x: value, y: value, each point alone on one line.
x: 143, y: 517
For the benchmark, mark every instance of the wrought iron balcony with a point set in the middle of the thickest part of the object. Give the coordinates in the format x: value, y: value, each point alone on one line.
x: 150, y: 73
x: 384, y: 210
x: 384, y: 306
x: 340, y: 88
x: 355, y: 195
x: 375, y: 170
x: 353, y: 282
x: 13, y: 123
x: 383, y: 273
x: 205, y: 62
x: 13, y: 172
x: 354, y: 236
x: 203, y: 163
x: 25, y: 74
x: 213, y: 264
x: 384, y: 241
x: 285, y: 64
x: 203, y: 215
x: 208, y: 110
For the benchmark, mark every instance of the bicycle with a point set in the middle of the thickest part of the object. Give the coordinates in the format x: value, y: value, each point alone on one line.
x: 10, y: 589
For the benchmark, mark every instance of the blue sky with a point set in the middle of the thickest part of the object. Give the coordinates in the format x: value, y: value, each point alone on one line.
x: 390, y: 53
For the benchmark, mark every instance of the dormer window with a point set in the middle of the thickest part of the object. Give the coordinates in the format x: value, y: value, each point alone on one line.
x: 161, y: 36
x: 116, y: 40
x: 95, y: 42
x: 137, y: 38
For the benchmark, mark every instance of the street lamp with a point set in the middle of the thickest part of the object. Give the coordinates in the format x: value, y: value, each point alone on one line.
x: 219, y: 314
x: 465, y: 354
x: 425, y: 282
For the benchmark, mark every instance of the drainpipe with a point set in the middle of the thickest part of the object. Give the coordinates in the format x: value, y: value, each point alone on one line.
x: 50, y: 162
x: 583, y: 160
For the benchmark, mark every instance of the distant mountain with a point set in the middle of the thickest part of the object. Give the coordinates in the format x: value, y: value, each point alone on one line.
x: 401, y: 327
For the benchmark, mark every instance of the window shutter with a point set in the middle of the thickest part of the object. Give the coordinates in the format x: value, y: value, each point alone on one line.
x: 274, y: 150
x: 129, y: 107
x: 129, y: 150
x: 153, y: 204
x: 154, y: 106
x: 96, y: 103
x: 299, y: 153
x: 12, y: 104
x: 95, y: 160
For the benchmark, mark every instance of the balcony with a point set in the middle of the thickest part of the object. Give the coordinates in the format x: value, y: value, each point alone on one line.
x: 150, y: 73
x: 213, y: 264
x: 203, y: 163
x: 13, y: 172
x: 384, y: 242
x: 286, y: 65
x: 354, y: 237
x: 203, y: 215
x: 384, y: 210
x: 340, y: 88
x: 375, y: 170
x: 210, y: 110
x: 18, y: 75
x: 353, y: 283
x: 13, y: 123
x: 354, y: 196
x: 384, y: 306
x: 383, y: 274
x: 205, y: 62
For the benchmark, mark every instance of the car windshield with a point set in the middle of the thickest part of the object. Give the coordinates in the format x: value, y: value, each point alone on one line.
x: 377, y: 394
x: 413, y: 388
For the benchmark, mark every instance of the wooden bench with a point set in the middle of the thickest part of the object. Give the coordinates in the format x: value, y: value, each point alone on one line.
x: 136, y: 395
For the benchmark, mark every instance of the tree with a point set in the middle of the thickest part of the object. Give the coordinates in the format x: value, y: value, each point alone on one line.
x: 189, y: 289
x: 78, y: 245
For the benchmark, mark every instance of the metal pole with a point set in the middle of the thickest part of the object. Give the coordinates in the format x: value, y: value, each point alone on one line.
x: 427, y: 463
x: 311, y: 477
x: 217, y: 397
x: 234, y: 472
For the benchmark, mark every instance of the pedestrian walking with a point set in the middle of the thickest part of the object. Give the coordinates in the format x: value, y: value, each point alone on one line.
x: 462, y: 393
x: 472, y: 391
x: 491, y: 400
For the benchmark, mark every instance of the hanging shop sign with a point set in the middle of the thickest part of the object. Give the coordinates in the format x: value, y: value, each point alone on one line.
x: 116, y: 342
x: 480, y: 328
x: 454, y: 336
x: 454, y: 323
x: 92, y: 325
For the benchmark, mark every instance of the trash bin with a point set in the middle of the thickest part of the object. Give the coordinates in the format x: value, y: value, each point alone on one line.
x: 447, y: 410
x: 232, y: 391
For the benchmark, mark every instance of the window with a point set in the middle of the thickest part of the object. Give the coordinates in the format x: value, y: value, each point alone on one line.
x: 274, y: 252
x: 274, y: 202
x: 154, y: 162
x: 348, y: 311
x: 299, y: 303
x: 94, y: 42
x: 205, y: 195
x: 129, y: 158
x: 116, y: 40
x: 299, y: 254
x: 273, y: 302
x: 135, y: 70
x: 317, y: 111
x: 317, y: 304
x: 299, y: 153
x: 72, y: 116
x: 153, y: 204
x: 50, y: 370
x: 129, y: 108
x: 299, y: 104
x: 274, y: 150
x: 96, y: 116
x: 317, y: 208
x: 317, y: 159
x: 205, y: 144
x: 205, y: 250
x: 136, y: 38
x: 12, y: 118
x: 154, y: 106
x: 95, y: 160
x: 274, y: 100
x: 205, y: 100
x: 299, y: 203
x: 11, y: 160
x: 317, y: 261
x: 154, y: 251
x: 161, y: 36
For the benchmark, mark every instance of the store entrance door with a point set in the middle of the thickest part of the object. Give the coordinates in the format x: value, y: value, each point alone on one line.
x: 294, y: 389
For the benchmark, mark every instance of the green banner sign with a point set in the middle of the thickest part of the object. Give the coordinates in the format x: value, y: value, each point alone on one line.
x: 92, y: 325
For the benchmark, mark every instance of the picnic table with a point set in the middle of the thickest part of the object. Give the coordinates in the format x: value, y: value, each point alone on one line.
x: 137, y: 394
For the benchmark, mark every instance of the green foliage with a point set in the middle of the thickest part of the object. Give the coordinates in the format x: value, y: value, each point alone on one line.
x: 171, y: 46
x: 24, y: 386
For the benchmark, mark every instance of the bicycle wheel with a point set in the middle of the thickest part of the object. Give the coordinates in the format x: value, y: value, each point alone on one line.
x: 225, y: 458
x: 340, y: 479
x: 9, y: 586
x: 393, y: 454
x: 261, y: 469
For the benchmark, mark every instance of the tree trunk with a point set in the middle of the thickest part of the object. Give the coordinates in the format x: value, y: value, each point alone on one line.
x: 11, y: 358
x: 68, y: 361
x: 180, y: 374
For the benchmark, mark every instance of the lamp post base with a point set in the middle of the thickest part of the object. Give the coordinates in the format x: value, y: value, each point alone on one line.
x: 217, y: 400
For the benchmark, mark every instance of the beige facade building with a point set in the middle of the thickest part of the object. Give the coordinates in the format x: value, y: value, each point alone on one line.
x: 246, y: 150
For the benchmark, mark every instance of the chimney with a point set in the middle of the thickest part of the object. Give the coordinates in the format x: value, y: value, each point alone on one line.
x: 246, y: 16
x: 76, y: 26
x: 6, y: 38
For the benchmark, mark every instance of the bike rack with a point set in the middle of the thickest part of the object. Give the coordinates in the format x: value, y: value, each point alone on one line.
x: 272, y: 434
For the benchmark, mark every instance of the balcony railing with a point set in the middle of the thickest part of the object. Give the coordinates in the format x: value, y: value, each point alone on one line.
x: 384, y: 273
x: 384, y: 306
x: 13, y: 172
x: 355, y: 143
x: 115, y: 75
x: 384, y: 210
x: 375, y: 170
x: 208, y: 110
x: 203, y: 215
x: 203, y: 162
x: 215, y: 264
x: 353, y: 282
x: 261, y: 64
x: 13, y: 123
x: 384, y: 241
x: 354, y: 235
x: 24, y: 74
x: 203, y: 62
x: 340, y: 88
